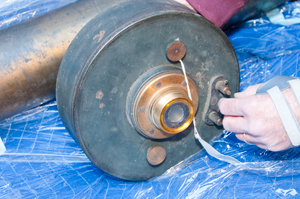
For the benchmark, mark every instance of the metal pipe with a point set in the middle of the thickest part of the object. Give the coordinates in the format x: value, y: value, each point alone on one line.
x: 31, y: 52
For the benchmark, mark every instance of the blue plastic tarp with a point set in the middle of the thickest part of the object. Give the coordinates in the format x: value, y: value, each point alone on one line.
x: 43, y: 161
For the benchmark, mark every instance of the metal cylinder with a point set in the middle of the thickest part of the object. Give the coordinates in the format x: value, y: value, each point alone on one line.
x: 173, y: 112
x: 31, y: 52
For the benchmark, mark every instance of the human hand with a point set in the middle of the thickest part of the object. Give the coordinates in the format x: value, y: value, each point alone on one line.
x: 255, y: 119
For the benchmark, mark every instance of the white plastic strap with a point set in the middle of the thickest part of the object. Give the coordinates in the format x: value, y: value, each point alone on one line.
x: 2, y: 147
x: 209, y: 149
x: 286, y: 114
x: 295, y: 86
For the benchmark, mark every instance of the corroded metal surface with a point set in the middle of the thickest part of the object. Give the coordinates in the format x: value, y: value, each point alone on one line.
x: 31, y: 52
x: 218, y: 88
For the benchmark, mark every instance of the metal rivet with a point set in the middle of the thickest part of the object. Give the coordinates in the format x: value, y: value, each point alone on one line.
x: 176, y: 51
x: 156, y: 155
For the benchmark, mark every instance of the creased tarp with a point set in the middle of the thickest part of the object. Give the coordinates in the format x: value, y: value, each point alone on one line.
x: 43, y: 161
x: 14, y: 11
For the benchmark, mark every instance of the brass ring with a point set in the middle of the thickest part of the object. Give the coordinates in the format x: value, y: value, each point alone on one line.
x: 245, y: 139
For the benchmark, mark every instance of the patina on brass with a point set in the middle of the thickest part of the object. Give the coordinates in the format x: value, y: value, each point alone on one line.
x: 162, y: 107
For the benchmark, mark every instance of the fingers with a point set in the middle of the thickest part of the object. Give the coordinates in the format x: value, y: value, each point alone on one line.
x: 245, y: 137
x: 251, y: 90
x: 231, y: 107
x: 235, y: 124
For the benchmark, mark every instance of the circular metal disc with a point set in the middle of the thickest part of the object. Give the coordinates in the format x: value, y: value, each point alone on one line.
x: 105, y: 59
x: 176, y: 51
x: 156, y: 155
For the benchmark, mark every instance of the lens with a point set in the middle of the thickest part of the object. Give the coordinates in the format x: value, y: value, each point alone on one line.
x: 176, y: 114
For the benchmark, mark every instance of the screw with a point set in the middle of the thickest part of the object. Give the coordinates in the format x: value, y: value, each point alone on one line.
x: 214, y: 116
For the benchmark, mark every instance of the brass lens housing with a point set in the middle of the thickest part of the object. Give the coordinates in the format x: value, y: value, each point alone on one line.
x: 161, y: 107
x: 172, y: 112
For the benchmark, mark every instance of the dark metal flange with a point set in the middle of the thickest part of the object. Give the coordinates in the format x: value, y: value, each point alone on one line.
x: 217, y: 89
x: 105, y: 60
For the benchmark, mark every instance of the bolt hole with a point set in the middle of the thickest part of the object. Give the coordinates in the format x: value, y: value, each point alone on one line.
x: 151, y: 131
x: 142, y: 109
x: 158, y: 84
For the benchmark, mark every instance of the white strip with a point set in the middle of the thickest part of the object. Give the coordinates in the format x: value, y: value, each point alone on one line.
x: 2, y: 147
x: 209, y: 149
x: 287, y: 116
x: 295, y: 85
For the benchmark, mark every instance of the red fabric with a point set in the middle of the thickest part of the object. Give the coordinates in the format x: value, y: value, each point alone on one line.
x: 217, y: 11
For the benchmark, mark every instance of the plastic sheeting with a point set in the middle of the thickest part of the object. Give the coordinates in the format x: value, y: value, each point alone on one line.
x: 43, y: 161
x: 14, y: 11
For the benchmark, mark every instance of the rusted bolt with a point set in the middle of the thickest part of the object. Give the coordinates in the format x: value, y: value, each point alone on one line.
x: 214, y: 116
x: 222, y: 87
x: 156, y: 155
x: 176, y: 51
x: 227, y: 91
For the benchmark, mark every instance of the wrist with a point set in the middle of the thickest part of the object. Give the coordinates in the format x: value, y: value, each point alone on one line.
x: 288, y: 93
